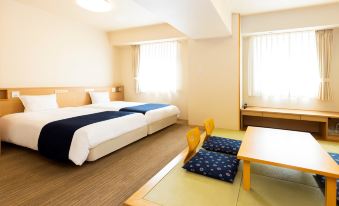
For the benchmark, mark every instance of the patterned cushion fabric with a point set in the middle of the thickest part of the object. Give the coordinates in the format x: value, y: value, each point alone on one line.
x: 335, y: 156
x: 215, y: 165
x: 223, y: 145
x: 321, y: 179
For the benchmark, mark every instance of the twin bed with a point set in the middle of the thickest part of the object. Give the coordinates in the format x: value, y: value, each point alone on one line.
x: 157, y: 119
x: 87, y: 132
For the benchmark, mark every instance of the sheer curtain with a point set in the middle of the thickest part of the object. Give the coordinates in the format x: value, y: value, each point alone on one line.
x: 136, y: 63
x: 283, y: 65
x: 157, y: 67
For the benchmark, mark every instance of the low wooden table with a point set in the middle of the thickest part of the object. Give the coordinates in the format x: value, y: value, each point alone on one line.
x: 289, y: 149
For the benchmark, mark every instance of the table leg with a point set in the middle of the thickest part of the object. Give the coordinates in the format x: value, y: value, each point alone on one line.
x: 247, y: 175
x: 331, y: 191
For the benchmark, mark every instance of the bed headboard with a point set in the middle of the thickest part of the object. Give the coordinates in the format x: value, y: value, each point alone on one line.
x: 66, y: 96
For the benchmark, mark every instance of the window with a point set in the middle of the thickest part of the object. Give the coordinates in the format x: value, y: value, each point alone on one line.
x: 158, y: 67
x: 283, y: 65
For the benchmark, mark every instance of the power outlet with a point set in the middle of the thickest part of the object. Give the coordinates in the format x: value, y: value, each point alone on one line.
x: 15, y: 94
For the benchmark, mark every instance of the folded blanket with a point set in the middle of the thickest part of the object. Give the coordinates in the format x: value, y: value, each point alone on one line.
x: 143, y: 108
x: 56, y: 137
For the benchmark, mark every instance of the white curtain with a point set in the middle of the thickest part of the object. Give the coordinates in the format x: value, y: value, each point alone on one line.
x: 283, y: 65
x: 156, y: 67
x: 324, y: 46
x: 136, y: 63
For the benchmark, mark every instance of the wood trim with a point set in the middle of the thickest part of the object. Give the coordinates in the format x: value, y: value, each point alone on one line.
x: 66, y: 96
x: 293, y: 111
x: 137, y: 199
x: 307, y: 116
x: 281, y: 116
x: 247, y: 175
x: 314, y: 118
x: 330, y: 191
x: 239, y: 70
x: 252, y: 113
x: 287, y: 166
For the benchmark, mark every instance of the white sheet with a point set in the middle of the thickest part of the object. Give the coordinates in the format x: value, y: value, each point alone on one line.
x: 24, y: 129
x: 151, y: 116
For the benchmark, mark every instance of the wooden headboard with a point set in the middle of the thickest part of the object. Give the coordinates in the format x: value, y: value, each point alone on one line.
x: 66, y: 96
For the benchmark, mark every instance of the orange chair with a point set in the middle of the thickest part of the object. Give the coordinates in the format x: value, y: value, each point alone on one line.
x: 209, y: 127
x: 193, y: 140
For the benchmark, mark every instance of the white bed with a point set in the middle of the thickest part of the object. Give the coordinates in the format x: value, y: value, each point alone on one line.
x: 89, y: 143
x: 157, y: 119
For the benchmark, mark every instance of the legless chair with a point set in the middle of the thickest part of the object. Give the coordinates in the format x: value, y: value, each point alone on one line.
x: 193, y: 140
x: 219, y: 144
x: 211, y: 164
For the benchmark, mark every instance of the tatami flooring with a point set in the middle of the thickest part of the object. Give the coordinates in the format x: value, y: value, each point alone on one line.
x: 270, y: 186
x: 27, y: 178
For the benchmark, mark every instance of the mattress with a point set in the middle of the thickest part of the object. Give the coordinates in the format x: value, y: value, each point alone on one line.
x: 23, y: 129
x: 161, y: 124
x: 116, y: 143
x: 152, y: 116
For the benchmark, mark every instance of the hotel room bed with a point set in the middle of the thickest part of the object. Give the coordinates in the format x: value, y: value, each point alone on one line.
x: 157, y: 119
x: 89, y: 142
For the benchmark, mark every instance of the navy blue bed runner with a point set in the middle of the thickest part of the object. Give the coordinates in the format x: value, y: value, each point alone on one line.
x: 56, y: 137
x: 143, y: 108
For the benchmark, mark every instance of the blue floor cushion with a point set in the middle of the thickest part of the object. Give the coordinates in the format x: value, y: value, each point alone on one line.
x: 334, y: 156
x: 222, y: 145
x: 321, y: 179
x: 215, y: 165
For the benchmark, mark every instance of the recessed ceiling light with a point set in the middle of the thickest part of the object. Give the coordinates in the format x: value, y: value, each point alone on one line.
x: 95, y: 5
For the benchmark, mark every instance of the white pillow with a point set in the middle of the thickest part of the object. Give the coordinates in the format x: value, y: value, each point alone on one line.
x: 99, y: 97
x: 34, y: 103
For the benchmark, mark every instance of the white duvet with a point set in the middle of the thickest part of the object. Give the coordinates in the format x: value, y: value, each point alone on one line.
x: 24, y: 129
x: 151, y: 116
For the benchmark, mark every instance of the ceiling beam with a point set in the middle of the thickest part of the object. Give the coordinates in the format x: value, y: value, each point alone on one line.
x: 197, y: 19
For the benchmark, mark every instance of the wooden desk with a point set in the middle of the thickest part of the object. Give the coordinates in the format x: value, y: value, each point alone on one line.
x: 299, y: 120
x: 289, y: 149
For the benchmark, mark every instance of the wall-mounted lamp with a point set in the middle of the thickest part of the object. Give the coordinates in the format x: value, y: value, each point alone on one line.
x: 117, y: 89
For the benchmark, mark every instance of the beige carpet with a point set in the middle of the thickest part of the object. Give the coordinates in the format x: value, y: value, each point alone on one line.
x: 27, y: 178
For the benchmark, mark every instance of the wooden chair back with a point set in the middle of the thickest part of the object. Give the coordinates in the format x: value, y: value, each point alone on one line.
x: 193, y: 140
x: 209, y: 127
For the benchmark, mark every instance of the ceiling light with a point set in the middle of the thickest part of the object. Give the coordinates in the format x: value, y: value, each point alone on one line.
x: 95, y: 5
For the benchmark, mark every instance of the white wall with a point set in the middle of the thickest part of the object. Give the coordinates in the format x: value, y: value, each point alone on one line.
x: 198, y: 19
x: 320, y: 17
x: 39, y: 50
x: 309, y: 17
x: 138, y: 35
x: 214, y: 80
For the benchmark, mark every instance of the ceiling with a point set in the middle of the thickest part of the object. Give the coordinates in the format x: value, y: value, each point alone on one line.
x: 247, y: 7
x: 197, y: 19
x: 127, y: 13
